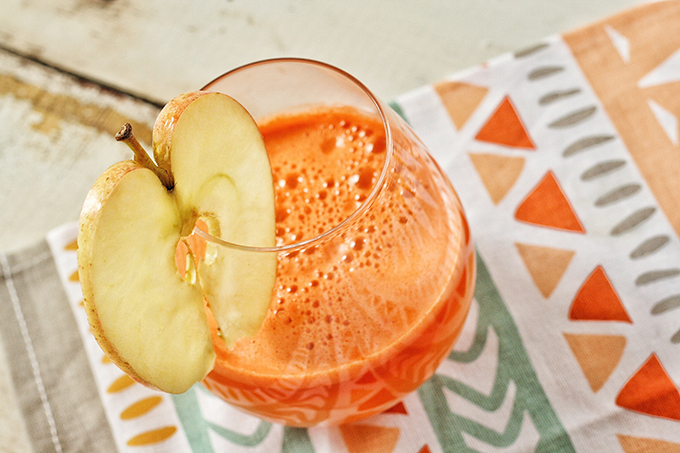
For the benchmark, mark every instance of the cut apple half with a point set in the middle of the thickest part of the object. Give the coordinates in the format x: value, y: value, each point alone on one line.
x: 211, y: 170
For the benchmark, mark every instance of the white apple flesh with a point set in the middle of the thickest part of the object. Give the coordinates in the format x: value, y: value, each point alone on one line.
x: 150, y: 320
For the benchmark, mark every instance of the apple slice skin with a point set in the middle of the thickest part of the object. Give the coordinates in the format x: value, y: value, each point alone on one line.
x: 145, y: 317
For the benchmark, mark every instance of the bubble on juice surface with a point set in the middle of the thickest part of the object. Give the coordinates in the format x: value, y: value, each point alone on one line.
x: 321, y: 185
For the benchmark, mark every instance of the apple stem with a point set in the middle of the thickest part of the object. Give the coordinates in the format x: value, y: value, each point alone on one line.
x: 126, y: 136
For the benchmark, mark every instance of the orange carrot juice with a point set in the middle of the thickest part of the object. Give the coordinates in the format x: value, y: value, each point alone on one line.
x: 365, y: 315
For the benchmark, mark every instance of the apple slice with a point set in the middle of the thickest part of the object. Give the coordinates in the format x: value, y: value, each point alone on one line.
x: 220, y: 168
x: 143, y: 314
x: 151, y: 321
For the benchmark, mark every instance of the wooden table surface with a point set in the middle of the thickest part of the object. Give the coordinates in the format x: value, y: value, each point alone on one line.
x: 72, y: 71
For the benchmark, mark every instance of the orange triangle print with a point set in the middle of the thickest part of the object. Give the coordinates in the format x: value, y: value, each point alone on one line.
x: 504, y: 127
x: 597, y: 355
x: 369, y: 438
x: 632, y: 444
x: 597, y: 301
x: 547, y: 206
x: 460, y: 99
x: 545, y: 264
x: 651, y: 391
x: 498, y: 173
x: 398, y: 408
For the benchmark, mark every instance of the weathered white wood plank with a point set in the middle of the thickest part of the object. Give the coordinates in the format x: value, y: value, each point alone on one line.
x: 56, y: 137
x: 159, y: 48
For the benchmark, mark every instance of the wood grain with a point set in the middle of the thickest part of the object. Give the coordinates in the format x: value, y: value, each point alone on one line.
x: 56, y: 137
x: 160, y: 48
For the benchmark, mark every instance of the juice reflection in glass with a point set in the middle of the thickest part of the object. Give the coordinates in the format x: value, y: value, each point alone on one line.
x: 376, y: 267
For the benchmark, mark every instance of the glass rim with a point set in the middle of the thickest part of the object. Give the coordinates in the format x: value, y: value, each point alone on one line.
x: 375, y: 190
